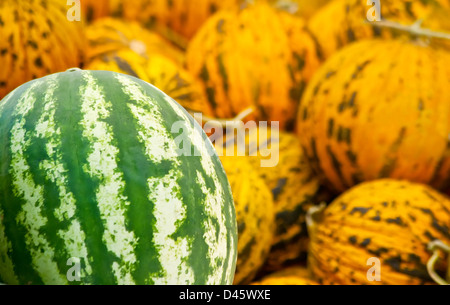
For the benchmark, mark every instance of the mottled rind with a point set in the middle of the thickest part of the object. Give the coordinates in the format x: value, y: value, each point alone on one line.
x: 373, y: 113
x: 280, y: 162
x: 255, y: 217
x: 37, y: 39
x: 126, y: 47
x: 389, y: 220
x: 241, y: 67
x: 183, y: 17
x: 350, y: 21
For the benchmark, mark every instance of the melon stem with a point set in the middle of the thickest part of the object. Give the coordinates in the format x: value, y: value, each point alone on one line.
x: 437, y: 247
x: 223, y: 123
x: 414, y: 29
x: 312, y: 217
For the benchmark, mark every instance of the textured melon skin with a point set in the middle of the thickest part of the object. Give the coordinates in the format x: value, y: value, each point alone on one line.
x: 126, y: 47
x: 89, y: 169
x: 374, y: 110
x: 36, y: 39
x: 387, y: 219
x: 183, y: 17
x: 109, y: 35
x: 159, y: 71
x: 343, y: 22
x: 254, y: 214
x: 294, y: 188
x: 256, y: 57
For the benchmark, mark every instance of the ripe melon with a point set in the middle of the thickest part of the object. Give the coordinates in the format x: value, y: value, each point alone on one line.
x: 91, y: 172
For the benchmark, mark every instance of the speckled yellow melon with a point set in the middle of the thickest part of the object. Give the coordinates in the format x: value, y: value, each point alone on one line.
x: 387, y: 220
x: 184, y: 17
x: 342, y: 22
x: 256, y: 57
x: 36, y: 39
x: 255, y: 217
x: 126, y: 47
x: 111, y: 35
x: 279, y: 160
x: 379, y: 109
x: 159, y: 71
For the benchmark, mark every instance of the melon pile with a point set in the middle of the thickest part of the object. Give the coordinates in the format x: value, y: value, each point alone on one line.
x: 263, y: 142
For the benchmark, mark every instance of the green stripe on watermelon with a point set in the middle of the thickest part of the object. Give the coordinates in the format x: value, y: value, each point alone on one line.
x: 101, y: 165
x: 132, y: 157
x: 47, y: 170
x: 70, y: 238
x: 8, y: 224
x: 7, y: 274
x: 165, y: 187
x: 217, y: 236
x: 69, y: 115
x: 199, y: 141
x: 31, y: 216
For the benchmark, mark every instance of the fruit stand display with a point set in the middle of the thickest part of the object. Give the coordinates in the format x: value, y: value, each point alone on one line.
x: 233, y: 142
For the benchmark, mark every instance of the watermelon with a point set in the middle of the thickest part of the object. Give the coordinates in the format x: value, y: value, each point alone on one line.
x: 97, y: 187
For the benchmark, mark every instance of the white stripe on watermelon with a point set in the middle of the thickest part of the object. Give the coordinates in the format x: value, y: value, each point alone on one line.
x: 102, y: 164
x: 169, y: 210
x: 31, y: 214
x: 217, y: 241
x: 170, y: 213
x: 152, y: 132
x: 46, y: 128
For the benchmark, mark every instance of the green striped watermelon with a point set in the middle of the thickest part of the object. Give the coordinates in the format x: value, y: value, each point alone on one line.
x: 91, y: 172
